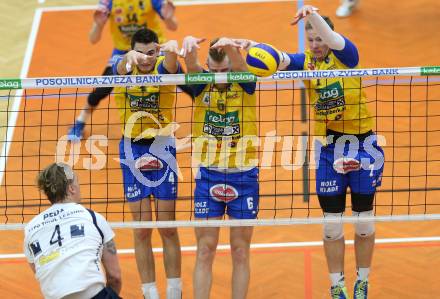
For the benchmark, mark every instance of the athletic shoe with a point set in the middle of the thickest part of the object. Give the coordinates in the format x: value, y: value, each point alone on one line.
x: 346, y: 8
x: 360, y: 289
x: 76, y: 131
x: 339, y: 292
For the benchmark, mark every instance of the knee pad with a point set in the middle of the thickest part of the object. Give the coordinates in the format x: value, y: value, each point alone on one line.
x: 364, y: 228
x: 98, y: 94
x: 101, y: 92
x: 333, y: 231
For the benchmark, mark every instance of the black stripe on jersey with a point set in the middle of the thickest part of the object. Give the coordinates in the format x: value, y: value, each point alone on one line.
x: 96, y: 224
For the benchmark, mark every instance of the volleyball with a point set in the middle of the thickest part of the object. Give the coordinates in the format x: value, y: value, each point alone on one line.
x: 263, y: 60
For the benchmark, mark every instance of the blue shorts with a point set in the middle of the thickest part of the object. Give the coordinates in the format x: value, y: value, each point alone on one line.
x: 237, y: 193
x: 149, y: 167
x: 358, y: 165
x: 107, y: 293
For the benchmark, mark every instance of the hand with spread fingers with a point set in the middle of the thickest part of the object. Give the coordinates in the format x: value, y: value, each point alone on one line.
x: 226, y: 42
x: 245, y: 44
x: 100, y: 17
x: 168, y: 14
x: 136, y: 58
x: 190, y: 43
x: 303, y: 12
x: 170, y: 46
x: 168, y: 9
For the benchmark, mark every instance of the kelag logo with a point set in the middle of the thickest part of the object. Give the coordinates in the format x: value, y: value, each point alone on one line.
x: 430, y: 70
x: 241, y: 77
x: 10, y: 84
x: 201, y: 78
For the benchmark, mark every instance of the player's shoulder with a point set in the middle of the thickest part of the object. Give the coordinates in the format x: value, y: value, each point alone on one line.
x: 349, y: 55
x: 248, y: 87
x: 102, y: 226
x: 99, y: 216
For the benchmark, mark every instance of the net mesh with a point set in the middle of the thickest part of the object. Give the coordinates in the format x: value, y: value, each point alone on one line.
x: 37, y: 114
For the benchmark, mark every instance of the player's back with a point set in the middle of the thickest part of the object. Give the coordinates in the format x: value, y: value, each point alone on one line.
x: 65, y: 246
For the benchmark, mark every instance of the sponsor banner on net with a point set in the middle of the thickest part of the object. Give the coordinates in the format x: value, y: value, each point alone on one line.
x: 430, y: 70
x: 10, y: 84
x: 200, y: 78
x: 241, y: 77
x: 337, y: 73
x: 96, y: 81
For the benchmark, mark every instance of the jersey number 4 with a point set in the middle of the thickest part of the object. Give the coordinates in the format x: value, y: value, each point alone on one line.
x: 56, y: 236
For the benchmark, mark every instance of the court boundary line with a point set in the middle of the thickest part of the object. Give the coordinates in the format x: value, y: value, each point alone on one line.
x: 13, y: 116
x: 222, y: 247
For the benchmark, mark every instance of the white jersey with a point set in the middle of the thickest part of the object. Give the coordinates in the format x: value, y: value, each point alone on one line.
x: 65, y: 244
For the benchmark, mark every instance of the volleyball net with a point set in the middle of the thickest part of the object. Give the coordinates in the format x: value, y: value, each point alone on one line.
x: 37, y: 113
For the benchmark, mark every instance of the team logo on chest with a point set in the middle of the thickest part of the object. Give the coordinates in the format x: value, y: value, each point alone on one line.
x: 144, y: 102
x: 330, y: 99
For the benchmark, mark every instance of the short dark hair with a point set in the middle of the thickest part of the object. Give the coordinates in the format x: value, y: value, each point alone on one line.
x: 144, y: 36
x: 54, y: 180
x: 326, y: 19
x: 216, y: 54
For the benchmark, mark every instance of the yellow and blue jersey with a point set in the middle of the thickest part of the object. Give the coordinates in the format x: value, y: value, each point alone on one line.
x: 224, y: 124
x: 339, y: 103
x: 128, y: 16
x: 157, y: 101
x: 340, y: 109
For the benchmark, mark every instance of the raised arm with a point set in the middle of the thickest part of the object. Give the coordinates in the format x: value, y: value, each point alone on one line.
x: 232, y: 49
x: 171, y: 50
x: 124, y: 65
x: 190, y: 45
x: 111, y: 266
x: 99, y: 19
x: 167, y: 12
x: 333, y: 39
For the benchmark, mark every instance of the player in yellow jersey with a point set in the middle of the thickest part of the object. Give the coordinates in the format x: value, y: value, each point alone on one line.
x: 125, y: 18
x: 224, y: 127
x: 350, y: 157
x: 148, y: 155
